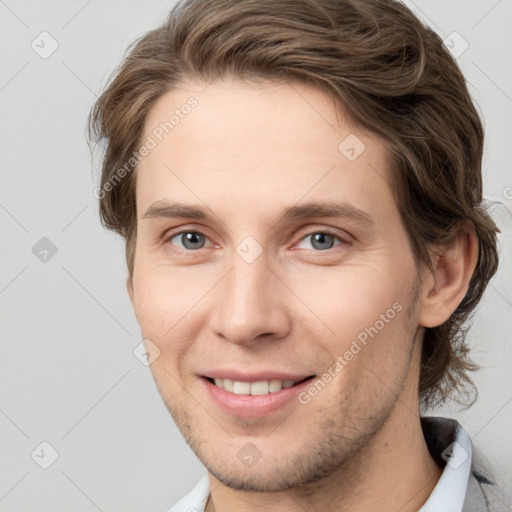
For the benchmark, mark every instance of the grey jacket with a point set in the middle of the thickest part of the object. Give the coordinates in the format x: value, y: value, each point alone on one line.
x: 483, y: 493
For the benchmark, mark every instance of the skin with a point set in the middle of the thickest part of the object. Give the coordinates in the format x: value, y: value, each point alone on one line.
x: 247, y: 152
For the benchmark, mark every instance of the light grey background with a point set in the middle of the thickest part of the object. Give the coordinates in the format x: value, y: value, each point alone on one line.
x: 68, y: 373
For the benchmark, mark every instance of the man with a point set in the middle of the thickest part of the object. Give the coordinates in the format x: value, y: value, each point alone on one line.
x: 299, y: 186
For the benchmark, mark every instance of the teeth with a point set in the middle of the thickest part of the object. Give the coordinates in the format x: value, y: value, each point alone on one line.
x: 263, y: 387
x: 275, y: 385
x: 241, y: 388
x: 259, y: 388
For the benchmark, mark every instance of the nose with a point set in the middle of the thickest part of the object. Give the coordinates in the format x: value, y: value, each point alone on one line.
x: 251, y: 304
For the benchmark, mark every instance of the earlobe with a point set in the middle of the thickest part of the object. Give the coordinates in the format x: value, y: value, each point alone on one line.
x: 448, y: 283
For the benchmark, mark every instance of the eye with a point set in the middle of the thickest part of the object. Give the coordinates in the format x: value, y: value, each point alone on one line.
x: 323, y: 240
x: 190, y: 240
x: 194, y: 240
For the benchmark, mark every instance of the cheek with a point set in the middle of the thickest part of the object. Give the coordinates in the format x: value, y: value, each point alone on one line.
x: 367, y: 354
x: 365, y: 308
x: 166, y: 302
x: 351, y: 298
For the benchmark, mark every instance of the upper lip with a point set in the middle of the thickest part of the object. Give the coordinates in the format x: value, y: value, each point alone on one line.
x: 254, y: 376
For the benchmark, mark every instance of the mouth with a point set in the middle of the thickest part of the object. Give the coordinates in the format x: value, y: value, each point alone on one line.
x: 256, y: 396
x: 256, y: 388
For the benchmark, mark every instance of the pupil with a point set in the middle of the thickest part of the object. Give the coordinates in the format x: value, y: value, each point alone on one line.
x: 322, y: 238
x: 191, y: 239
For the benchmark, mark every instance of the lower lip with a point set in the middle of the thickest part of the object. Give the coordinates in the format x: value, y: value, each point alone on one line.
x: 253, y: 405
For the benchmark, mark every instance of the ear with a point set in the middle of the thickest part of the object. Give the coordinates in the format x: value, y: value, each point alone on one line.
x: 445, y: 287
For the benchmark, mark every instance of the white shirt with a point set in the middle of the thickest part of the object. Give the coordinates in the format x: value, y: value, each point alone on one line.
x: 458, y: 488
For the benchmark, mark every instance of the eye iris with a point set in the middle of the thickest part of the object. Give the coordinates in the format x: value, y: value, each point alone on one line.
x: 189, y: 239
x: 321, y: 239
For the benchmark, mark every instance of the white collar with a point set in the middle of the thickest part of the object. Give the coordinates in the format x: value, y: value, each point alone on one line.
x: 450, y: 491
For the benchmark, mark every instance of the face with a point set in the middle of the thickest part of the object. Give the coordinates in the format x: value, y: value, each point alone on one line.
x: 274, y: 275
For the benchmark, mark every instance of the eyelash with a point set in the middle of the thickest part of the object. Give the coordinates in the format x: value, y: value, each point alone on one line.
x: 342, y: 241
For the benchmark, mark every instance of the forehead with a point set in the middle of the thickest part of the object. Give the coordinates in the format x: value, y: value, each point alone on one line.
x: 259, y: 144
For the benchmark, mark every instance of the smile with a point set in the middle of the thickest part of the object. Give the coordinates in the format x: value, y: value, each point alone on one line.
x: 258, y: 388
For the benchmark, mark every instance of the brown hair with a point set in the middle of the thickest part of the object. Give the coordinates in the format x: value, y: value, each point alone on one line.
x: 391, y: 74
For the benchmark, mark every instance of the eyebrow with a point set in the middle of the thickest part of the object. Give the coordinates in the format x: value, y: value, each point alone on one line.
x: 162, y: 209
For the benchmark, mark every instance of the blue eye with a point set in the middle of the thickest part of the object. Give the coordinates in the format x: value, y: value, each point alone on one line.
x: 194, y: 240
x: 190, y: 240
x: 322, y: 241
